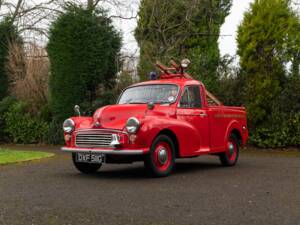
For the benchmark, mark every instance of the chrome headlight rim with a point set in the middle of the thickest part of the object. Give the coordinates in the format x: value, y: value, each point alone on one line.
x: 132, y: 125
x: 68, y: 126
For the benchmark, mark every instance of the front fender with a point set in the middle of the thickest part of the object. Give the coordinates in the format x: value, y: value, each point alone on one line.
x: 82, y: 122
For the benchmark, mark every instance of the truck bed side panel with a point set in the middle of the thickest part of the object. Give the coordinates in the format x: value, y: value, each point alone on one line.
x: 223, y: 120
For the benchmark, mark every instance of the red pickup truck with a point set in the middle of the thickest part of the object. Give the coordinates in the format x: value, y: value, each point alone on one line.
x: 156, y: 122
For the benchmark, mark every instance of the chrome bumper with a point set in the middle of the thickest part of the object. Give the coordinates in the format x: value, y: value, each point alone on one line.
x: 104, y: 151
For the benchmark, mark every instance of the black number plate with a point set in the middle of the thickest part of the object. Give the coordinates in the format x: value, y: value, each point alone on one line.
x: 88, y: 157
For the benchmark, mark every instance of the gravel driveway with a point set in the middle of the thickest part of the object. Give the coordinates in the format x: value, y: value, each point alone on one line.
x: 264, y: 188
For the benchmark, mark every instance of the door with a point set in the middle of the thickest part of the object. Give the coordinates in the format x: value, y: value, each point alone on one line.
x: 190, y: 110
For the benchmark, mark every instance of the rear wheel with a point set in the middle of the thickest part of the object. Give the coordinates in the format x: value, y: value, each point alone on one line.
x: 85, y: 167
x: 161, y: 159
x: 231, y: 155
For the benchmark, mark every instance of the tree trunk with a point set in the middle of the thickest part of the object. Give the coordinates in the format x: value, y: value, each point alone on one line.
x: 90, y: 4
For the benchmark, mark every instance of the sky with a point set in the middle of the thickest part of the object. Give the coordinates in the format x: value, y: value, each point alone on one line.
x: 227, y: 44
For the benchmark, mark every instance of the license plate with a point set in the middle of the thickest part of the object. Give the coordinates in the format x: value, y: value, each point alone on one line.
x: 88, y: 157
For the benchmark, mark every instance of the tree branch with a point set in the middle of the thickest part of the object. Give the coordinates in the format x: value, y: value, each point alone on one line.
x: 123, y: 17
x: 16, y: 10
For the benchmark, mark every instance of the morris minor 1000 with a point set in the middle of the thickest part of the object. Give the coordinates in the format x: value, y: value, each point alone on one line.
x: 157, y: 121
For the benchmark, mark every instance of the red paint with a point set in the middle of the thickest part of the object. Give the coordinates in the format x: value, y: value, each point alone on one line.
x: 198, y: 131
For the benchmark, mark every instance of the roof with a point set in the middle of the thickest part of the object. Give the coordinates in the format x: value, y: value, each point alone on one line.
x: 181, y: 81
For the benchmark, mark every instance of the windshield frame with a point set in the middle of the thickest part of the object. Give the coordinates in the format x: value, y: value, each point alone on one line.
x: 133, y: 86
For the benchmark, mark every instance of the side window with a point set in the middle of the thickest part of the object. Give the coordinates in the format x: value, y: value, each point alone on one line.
x: 191, y: 97
x: 184, y: 101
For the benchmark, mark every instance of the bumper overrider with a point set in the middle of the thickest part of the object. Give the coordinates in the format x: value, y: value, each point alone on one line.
x: 106, y: 151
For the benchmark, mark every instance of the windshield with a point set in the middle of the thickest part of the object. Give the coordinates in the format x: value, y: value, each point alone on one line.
x: 156, y: 93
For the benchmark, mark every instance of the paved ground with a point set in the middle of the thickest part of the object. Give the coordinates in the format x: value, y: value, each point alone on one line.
x: 263, y: 188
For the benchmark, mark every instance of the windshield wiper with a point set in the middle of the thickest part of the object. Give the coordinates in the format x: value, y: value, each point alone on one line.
x: 136, y: 103
x: 162, y: 102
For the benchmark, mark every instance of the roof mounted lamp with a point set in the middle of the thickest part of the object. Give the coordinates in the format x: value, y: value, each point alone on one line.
x: 185, y: 64
x: 182, y: 67
x: 168, y: 72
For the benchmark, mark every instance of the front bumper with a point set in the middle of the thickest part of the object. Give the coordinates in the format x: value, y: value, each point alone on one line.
x: 107, y: 151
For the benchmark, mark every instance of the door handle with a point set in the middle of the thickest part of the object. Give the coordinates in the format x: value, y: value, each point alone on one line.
x: 202, y: 114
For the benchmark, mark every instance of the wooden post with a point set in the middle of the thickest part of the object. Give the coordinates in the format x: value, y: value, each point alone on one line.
x: 175, y: 65
x: 162, y: 67
x: 212, y: 97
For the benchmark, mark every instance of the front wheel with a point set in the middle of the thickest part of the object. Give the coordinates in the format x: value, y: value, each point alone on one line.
x: 87, y: 168
x: 231, y: 155
x: 161, y: 159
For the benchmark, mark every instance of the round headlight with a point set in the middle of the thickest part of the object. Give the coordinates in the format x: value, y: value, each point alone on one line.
x: 132, y: 125
x: 68, y: 125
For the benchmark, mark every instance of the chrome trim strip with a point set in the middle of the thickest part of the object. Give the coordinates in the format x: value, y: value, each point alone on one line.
x: 104, y: 151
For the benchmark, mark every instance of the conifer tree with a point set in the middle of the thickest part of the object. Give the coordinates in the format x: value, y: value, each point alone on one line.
x: 83, y: 49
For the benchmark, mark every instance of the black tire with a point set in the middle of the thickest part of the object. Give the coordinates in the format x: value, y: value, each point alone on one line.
x: 228, y: 158
x: 86, y: 168
x: 153, y: 165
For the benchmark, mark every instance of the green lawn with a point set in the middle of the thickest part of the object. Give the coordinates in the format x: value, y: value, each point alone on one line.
x: 11, y: 156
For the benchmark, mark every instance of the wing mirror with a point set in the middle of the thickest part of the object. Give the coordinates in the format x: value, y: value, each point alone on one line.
x: 77, y: 110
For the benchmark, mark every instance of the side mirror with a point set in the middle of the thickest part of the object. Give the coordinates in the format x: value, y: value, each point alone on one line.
x: 77, y: 110
x: 150, y: 105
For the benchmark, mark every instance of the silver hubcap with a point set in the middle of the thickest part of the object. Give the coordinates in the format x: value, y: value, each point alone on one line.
x: 162, y: 156
x: 231, y: 148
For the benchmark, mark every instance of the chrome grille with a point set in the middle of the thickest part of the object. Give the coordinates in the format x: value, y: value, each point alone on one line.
x: 93, y: 139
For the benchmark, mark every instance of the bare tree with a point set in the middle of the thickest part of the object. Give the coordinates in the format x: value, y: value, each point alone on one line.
x: 28, y: 75
x: 33, y: 18
x: 30, y: 18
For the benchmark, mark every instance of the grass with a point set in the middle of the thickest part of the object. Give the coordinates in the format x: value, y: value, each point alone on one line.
x: 12, y: 156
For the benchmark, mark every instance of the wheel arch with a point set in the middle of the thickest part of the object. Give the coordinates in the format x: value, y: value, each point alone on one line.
x: 234, y: 128
x: 237, y: 134
x: 173, y: 137
x: 184, y: 135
